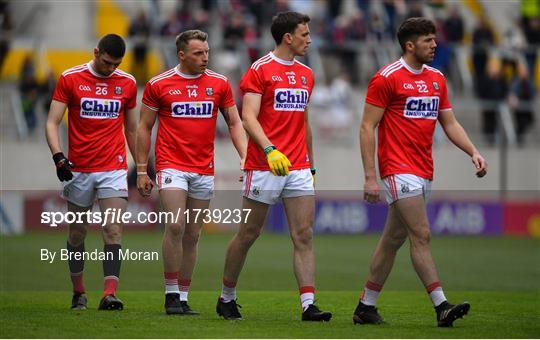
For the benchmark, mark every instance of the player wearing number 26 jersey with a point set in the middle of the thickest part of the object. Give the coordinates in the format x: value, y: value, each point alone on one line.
x: 100, y: 100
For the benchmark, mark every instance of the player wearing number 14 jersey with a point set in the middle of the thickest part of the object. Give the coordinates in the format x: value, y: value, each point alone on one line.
x: 186, y: 99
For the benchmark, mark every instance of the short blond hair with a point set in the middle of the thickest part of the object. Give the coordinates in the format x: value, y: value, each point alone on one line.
x: 182, y: 40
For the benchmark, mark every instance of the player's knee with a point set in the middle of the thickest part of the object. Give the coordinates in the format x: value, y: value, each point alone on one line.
x: 303, y: 237
x: 112, y: 234
x: 421, y: 238
x: 396, y: 241
x: 175, y: 230
x: 191, y: 238
x: 77, y: 236
x: 248, y: 236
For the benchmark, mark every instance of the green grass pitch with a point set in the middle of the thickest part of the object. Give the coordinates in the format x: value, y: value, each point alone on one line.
x: 500, y: 277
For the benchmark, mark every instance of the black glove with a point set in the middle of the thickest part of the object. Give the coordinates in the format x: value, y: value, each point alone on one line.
x: 63, y: 167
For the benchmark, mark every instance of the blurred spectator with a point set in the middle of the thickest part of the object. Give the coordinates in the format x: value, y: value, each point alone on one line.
x: 492, y: 90
x: 376, y: 27
x: 332, y: 101
x: 531, y: 29
x: 233, y: 34
x: 357, y: 26
x: 521, y: 99
x: 390, y: 11
x: 441, y: 61
x: 363, y: 5
x: 139, y: 32
x: 512, y: 46
x: 453, y: 26
x: 483, y: 38
x: 333, y: 10
x: 200, y: 21
x: 415, y: 9
x: 29, y: 89
x: 5, y: 33
x: 251, y: 37
x: 172, y: 27
x: 47, y: 90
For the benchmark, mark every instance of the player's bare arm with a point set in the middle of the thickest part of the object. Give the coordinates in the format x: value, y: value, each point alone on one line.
x: 459, y: 137
x: 236, y: 130
x: 250, y: 111
x: 279, y: 163
x: 130, y: 130
x: 56, y: 113
x: 370, y: 119
x: 62, y: 163
x: 144, y: 135
x: 309, y: 140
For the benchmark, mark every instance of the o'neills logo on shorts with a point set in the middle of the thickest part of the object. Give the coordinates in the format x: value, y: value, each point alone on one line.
x: 290, y: 99
x: 98, y: 108
x: 421, y: 107
x: 192, y: 109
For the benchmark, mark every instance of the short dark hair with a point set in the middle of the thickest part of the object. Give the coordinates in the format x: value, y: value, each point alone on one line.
x: 286, y: 22
x: 182, y: 40
x: 113, y: 45
x: 412, y: 28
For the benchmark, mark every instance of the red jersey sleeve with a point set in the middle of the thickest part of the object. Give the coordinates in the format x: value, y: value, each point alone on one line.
x: 131, y: 101
x: 379, y: 91
x: 252, y: 82
x: 227, y: 100
x: 445, y: 102
x: 62, y: 91
x: 149, y: 97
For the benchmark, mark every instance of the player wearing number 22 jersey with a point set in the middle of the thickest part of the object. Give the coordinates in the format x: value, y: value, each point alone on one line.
x: 413, y: 99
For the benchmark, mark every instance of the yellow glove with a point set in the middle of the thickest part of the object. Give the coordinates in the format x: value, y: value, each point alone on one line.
x: 313, y: 174
x: 279, y: 163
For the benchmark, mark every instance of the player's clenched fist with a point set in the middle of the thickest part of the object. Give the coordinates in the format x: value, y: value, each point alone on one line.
x: 371, y: 191
x: 144, y: 185
x: 63, y: 167
x: 480, y: 164
x: 279, y: 163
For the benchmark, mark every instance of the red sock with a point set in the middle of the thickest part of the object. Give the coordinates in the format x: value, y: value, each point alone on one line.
x: 184, y: 284
x: 307, y: 296
x: 111, y: 284
x: 78, y: 285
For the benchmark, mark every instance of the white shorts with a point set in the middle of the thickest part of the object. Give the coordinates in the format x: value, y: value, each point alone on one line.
x: 400, y: 186
x: 197, y: 186
x: 264, y: 187
x: 83, y: 189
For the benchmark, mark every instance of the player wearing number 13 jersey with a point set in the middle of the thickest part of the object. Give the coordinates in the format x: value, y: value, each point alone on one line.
x: 275, y: 115
x: 186, y: 99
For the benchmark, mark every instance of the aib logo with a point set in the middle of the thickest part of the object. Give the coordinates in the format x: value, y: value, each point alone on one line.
x: 98, y: 108
x: 192, y: 109
x: 290, y: 99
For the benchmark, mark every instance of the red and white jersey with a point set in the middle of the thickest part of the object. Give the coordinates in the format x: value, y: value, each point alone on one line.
x: 96, y: 112
x: 187, y: 107
x: 285, y: 87
x: 412, y: 100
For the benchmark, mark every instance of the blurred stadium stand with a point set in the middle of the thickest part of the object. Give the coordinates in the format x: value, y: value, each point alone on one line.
x: 351, y: 41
